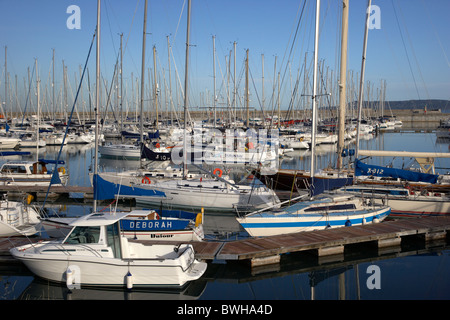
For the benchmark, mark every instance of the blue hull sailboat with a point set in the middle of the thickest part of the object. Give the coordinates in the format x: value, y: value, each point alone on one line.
x: 326, y: 211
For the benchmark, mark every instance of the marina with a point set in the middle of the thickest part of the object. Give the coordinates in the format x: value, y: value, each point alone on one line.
x: 228, y: 246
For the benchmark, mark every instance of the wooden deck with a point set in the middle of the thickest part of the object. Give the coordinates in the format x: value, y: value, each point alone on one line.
x: 267, y: 250
x: 333, y: 241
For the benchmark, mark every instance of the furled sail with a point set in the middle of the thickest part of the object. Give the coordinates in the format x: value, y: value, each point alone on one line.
x: 362, y: 169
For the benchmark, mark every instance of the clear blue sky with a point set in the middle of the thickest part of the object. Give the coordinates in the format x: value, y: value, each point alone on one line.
x: 410, y: 51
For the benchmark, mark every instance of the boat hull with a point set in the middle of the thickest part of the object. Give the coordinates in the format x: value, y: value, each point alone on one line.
x: 196, y: 199
x: 403, y: 201
x: 269, y: 226
x: 16, y: 219
x: 111, y: 272
x: 122, y: 150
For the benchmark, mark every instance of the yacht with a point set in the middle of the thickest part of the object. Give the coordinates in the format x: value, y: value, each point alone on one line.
x: 95, y: 253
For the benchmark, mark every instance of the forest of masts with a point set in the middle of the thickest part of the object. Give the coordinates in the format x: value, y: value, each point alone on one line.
x: 287, y: 98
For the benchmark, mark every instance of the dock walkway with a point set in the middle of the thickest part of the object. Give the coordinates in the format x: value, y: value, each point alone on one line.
x: 267, y: 250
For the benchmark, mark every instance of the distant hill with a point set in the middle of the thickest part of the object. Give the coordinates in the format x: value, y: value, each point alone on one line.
x: 431, y: 104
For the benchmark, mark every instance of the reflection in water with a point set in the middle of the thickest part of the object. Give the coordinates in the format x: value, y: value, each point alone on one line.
x: 40, y: 289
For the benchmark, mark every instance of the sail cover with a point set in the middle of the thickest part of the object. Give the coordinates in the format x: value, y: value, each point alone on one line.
x: 362, y: 169
x: 104, y: 190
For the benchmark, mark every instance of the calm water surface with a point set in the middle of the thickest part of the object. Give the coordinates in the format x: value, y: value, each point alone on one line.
x: 413, y: 272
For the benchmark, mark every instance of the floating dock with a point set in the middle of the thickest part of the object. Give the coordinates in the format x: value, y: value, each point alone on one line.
x: 41, y: 191
x: 387, y: 235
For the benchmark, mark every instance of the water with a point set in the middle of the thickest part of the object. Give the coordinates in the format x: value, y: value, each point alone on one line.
x: 413, y: 272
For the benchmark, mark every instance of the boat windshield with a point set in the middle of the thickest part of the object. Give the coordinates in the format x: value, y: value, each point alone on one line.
x: 83, y: 235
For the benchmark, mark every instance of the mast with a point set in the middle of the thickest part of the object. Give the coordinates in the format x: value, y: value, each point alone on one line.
x: 156, y: 87
x: 170, y: 82
x: 342, y: 83
x: 97, y: 98
x: 186, y: 90
x: 361, y: 82
x: 234, y: 83
x: 6, y: 82
x: 246, y: 90
x: 53, y: 82
x: 121, y: 83
x: 214, y: 72
x: 314, y: 93
x: 262, y: 82
x: 38, y: 89
x: 141, y: 121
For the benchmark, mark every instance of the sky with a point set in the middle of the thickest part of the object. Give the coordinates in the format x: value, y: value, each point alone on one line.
x: 408, y: 49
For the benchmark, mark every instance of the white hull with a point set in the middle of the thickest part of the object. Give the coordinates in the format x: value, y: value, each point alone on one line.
x: 32, y: 144
x: 173, y: 271
x: 214, y: 195
x: 418, y: 207
x: 238, y: 157
x: 82, y: 138
x: 7, y: 230
x: 8, y: 143
x: 404, y: 202
x: 29, y: 173
x: 120, y: 150
x: 55, y: 140
x: 18, y: 220
x: 297, y: 144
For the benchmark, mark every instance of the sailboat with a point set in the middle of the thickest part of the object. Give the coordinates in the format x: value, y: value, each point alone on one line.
x: 404, y: 201
x: 424, y: 178
x: 320, y: 212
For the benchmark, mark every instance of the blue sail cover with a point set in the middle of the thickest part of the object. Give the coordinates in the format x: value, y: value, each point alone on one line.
x: 104, y: 190
x: 320, y: 185
x: 362, y: 169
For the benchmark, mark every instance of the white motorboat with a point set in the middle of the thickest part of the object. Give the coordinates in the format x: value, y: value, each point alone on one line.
x: 95, y: 253
x: 323, y: 212
x: 17, y: 219
x: 30, y: 173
